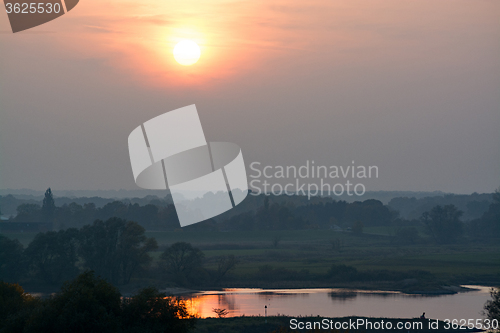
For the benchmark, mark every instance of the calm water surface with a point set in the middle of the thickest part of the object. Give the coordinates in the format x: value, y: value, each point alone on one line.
x: 339, y: 303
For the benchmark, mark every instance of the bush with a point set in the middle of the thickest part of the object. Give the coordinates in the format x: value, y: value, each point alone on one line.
x: 492, y: 307
x: 15, y: 307
x: 86, y: 304
x: 91, y: 304
x: 151, y: 311
x: 443, y: 223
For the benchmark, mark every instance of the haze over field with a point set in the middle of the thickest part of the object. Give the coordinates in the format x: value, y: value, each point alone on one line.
x: 411, y: 87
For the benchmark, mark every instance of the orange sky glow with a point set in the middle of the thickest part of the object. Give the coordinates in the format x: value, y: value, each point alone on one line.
x: 239, y: 37
x: 144, y: 35
x: 382, y: 82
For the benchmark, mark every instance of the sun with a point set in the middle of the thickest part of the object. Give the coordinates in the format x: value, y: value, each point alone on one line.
x: 187, y: 52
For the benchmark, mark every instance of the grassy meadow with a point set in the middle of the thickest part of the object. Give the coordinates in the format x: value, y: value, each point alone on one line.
x: 309, y: 254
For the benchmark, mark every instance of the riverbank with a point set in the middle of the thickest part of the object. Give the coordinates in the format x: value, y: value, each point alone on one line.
x: 386, y: 286
x: 128, y: 291
x: 338, y: 302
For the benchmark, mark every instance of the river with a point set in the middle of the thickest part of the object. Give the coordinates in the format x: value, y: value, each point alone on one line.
x: 339, y: 303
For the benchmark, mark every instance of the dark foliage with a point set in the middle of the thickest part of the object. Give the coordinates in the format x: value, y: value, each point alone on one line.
x: 86, y: 304
x: 91, y: 304
x: 15, y: 307
x: 492, y: 307
x: 443, y: 223
x: 48, y: 207
x: 473, y: 205
x: 12, y: 260
x: 52, y: 256
x: 488, y: 225
x: 183, y: 263
x: 153, y: 312
x: 115, y: 249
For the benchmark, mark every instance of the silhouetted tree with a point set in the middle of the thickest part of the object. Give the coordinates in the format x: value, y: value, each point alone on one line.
x: 28, y: 213
x: 115, y: 249
x: 86, y: 304
x: 492, y: 307
x: 488, y: 225
x: 52, y: 256
x: 224, y: 265
x: 133, y: 250
x: 91, y: 304
x: 182, y: 262
x: 443, y: 223
x: 12, y: 263
x: 15, y: 307
x: 221, y: 313
x: 152, y: 311
x: 48, y: 207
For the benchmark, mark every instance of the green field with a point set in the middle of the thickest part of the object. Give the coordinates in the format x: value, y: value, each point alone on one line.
x: 314, y: 252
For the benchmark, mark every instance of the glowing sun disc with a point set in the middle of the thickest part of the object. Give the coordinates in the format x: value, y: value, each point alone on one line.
x: 187, y: 52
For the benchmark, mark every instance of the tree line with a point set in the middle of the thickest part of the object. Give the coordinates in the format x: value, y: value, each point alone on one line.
x: 255, y: 213
x: 472, y: 205
x: 116, y: 250
x: 442, y: 222
x: 159, y: 216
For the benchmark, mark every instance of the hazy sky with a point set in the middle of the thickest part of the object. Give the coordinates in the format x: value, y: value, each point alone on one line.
x: 412, y: 87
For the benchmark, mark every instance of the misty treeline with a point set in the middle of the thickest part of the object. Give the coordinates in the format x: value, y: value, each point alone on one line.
x: 91, y: 304
x: 472, y: 205
x: 155, y: 213
x: 157, y: 216
x: 115, y: 250
x: 10, y: 202
x: 444, y: 223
